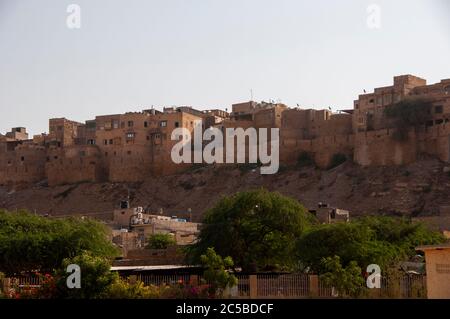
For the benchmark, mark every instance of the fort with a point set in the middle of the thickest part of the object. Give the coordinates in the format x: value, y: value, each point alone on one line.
x: 133, y: 146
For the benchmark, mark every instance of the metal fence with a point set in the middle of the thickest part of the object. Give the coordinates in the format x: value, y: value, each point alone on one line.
x: 268, y: 285
x: 284, y: 285
x: 159, y: 280
x: 24, y: 282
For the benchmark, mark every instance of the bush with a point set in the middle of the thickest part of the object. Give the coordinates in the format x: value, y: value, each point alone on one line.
x: 216, y: 274
x: 408, y: 113
x: 185, y: 291
x: 122, y: 289
x: 348, y: 281
x: 96, y: 277
x: 160, y: 241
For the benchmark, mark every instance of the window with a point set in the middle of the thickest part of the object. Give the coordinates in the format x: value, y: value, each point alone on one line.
x: 177, y: 124
x: 130, y: 135
x: 447, y: 89
x: 129, y: 152
x: 148, y: 138
x: 438, y: 109
x: 91, y: 142
x: 130, y: 123
x: 105, y: 142
x: 22, y: 158
x: 145, y: 124
x: 110, y: 142
x: 371, y: 100
x: 115, y: 124
x: 163, y: 123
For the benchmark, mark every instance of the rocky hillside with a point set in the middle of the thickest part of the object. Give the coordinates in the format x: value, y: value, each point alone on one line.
x: 419, y: 189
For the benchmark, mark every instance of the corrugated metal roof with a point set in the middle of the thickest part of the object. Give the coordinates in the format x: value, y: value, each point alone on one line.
x: 160, y: 267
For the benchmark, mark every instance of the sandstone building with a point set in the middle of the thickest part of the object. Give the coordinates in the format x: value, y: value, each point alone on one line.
x: 133, y: 146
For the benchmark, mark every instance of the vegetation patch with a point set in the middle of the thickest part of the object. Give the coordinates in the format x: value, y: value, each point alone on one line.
x: 411, y: 112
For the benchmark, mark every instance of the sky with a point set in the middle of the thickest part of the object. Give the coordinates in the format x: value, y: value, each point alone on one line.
x: 131, y: 55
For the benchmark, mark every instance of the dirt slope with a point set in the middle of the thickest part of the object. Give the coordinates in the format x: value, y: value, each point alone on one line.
x: 418, y: 190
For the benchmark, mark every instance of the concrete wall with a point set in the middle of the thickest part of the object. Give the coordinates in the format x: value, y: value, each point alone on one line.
x: 438, y: 273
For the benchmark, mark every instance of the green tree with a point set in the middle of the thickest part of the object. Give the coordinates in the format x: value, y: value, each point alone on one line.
x: 216, y: 273
x: 348, y: 281
x: 370, y: 240
x: 160, y: 241
x: 408, y: 113
x: 29, y: 242
x: 96, y: 277
x: 258, y: 229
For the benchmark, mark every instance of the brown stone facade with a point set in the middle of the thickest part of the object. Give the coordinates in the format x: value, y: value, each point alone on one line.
x: 133, y: 146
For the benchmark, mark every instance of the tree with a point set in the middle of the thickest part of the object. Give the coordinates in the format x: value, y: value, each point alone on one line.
x: 348, y: 281
x: 29, y: 242
x: 258, y: 229
x: 408, y: 113
x: 96, y: 277
x: 160, y: 241
x: 216, y: 273
x: 370, y: 240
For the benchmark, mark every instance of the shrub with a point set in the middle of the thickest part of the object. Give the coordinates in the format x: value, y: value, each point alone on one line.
x: 160, y: 241
x: 96, y: 277
x: 122, y: 289
x: 216, y: 273
x: 348, y: 281
x: 185, y: 291
x: 408, y: 113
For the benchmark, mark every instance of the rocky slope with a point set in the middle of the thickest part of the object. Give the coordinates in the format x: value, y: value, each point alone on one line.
x: 419, y: 189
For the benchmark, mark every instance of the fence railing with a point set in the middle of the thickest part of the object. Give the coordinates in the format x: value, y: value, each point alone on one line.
x: 265, y: 285
x: 286, y: 285
x: 159, y: 280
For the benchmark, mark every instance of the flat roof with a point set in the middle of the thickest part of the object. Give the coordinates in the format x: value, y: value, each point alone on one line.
x: 432, y: 247
x: 160, y: 267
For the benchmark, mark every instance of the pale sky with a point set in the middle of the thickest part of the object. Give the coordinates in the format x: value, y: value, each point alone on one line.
x: 130, y: 55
